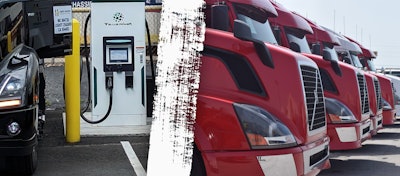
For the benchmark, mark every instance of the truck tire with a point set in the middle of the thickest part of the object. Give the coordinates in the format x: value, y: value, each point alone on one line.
x: 198, y: 168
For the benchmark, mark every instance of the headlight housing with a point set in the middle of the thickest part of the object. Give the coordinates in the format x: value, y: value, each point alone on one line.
x: 12, y: 89
x: 386, y: 105
x: 338, y: 112
x: 262, y: 129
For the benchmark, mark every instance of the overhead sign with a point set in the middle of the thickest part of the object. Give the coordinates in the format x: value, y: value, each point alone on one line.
x: 62, y: 19
x: 80, y: 4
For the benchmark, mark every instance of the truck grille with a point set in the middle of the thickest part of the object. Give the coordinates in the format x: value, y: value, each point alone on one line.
x: 366, y: 130
x: 378, y: 94
x: 314, y: 159
x: 363, y: 93
x: 314, y: 97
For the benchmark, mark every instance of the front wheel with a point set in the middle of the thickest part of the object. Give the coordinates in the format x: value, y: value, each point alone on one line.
x: 29, y: 162
x: 23, y: 165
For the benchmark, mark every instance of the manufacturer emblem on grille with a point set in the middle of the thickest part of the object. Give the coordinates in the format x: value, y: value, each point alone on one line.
x: 316, y: 96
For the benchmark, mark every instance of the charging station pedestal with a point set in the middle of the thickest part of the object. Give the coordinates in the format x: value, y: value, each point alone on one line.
x: 118, y: 63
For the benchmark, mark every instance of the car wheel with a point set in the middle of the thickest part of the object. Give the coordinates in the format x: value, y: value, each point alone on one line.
x: 29, y: 162
x: 198, y: 168
x: 22, y: 165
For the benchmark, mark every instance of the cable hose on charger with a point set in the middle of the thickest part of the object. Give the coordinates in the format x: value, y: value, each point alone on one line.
x: 105, y: 116
x: 150, y: 53
x: 89, y: 83
x: 88, y: 101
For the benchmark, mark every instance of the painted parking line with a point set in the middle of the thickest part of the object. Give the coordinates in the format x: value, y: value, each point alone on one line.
x: 133, y: 159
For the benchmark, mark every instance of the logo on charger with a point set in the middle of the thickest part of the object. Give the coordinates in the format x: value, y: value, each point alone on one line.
x: 118, y: 19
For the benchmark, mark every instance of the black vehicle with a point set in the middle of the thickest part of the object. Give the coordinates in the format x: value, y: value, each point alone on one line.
x: 26, y: 37
x: 19, y: 97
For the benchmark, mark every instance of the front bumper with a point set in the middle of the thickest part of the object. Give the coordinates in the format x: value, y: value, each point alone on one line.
x: 23, y: 143
x: 376, y: 124
x: 389, y: 117
x: 302, y: 160
x: 348, y: 136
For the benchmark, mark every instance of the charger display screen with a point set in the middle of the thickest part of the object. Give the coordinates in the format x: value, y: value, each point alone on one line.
x: 118, y: 55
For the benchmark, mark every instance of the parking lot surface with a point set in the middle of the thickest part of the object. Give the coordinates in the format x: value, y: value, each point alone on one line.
x: 92, y: 156
x: 105, y: 155
x: 378, y: 156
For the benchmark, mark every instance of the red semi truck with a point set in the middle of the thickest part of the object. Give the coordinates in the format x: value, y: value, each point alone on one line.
x: 260, y: 107
x: 322, y: 41
x: 345, y: 89
x: 376, y: 108
x: 348, y: 54
x: 388, y: 102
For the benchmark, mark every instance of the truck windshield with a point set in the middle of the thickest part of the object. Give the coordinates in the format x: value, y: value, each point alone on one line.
x: 356, y: 61
x: 332, y: 52
x: 257, y: 21
x: 299, y: 39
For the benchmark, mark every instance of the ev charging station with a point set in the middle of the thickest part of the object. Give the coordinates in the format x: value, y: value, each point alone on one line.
x: 118, y: 75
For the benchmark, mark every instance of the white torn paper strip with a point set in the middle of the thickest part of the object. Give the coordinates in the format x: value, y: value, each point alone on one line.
x: 181, y: 39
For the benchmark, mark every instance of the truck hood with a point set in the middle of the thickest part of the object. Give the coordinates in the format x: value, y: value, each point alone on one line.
x: 321, y: 35
x: 289, y: 19
x: 266, y: 5
x: 366, y: 53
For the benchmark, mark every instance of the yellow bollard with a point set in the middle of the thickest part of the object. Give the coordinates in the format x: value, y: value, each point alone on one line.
x: 72, y: 87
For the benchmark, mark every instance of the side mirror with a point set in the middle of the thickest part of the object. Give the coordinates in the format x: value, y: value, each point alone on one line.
x: 347, y: 60
x: 242, y: 31
x: 326, y: 55
x: 336, y: 67
x: 219, y: 17
x: 397, y: 99
x: 277, y: 34
x: 294, y: 47
x: 316, y: 49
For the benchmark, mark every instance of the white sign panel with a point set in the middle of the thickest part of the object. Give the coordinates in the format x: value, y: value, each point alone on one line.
x: 62, y: 19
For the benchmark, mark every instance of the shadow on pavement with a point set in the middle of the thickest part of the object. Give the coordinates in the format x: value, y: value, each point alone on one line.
x: 370, y: 150
x: 360, y: 168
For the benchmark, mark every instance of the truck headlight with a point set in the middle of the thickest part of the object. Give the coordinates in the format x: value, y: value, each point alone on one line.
x: 338, y: 112
x: 11, y: 89
x: 262, y: 129
x: 386, y: 105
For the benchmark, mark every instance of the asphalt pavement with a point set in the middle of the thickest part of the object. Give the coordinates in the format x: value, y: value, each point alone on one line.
x: 379, y: 155
x: 92, y: 156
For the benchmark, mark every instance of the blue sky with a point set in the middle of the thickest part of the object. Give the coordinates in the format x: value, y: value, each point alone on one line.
x: 372, y: 23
